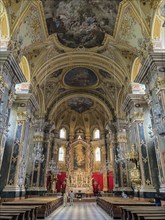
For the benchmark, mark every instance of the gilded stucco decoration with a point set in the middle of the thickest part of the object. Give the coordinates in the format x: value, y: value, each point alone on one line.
x: 147, y: 9
x: 30, y: 30
x: 130, y: 29
x: 15, y: 9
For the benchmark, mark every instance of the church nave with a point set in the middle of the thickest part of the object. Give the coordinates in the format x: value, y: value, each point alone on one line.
x: 80, y: 211
x: 82, y: 109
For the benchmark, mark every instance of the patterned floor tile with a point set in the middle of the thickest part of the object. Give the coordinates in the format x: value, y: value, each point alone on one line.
x: 79, y: 211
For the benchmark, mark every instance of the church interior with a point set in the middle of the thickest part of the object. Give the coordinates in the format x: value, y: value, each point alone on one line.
x: 82, y: 100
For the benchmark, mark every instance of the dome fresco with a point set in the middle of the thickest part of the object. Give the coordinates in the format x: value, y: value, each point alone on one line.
x: 81, y: 23
x: 80, y: 77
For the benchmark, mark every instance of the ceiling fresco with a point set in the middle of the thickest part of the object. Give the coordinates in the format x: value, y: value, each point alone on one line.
x: 80, y: 77
x: 81, y: 23
x: 80, y: 104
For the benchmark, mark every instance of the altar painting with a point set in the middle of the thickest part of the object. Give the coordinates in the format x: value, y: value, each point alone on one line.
x: 79, y: 157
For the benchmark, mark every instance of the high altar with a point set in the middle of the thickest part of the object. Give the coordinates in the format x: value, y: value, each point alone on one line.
x: 79, y: 164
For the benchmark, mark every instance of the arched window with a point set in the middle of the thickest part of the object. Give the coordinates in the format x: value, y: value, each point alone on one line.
x: 98, y: 154
x: 96, y: 133
x: 63, y: 133
x: 61, y: 154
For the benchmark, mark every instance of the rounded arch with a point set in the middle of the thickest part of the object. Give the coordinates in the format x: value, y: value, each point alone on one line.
x: 24, y: 65
x: 76, y: 59
x: 57, y: 103
x: 4, y: 27
x: 158, y: 27
x: 135, y: 68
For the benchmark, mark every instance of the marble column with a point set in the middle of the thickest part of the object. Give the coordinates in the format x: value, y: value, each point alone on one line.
x: 122, y: 160
x: 10, y: 74
x: 103, y: 161
x: 152, y: 74
x: 42, y: 141
x: 120, y: 157
x: 137, y: 109
x: 157, y: 126
x: 23, y: 108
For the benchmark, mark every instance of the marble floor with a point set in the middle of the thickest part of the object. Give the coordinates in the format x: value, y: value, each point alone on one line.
x: 80, y: 211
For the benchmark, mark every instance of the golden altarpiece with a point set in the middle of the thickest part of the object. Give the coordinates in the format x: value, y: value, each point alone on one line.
x: 80, y: 163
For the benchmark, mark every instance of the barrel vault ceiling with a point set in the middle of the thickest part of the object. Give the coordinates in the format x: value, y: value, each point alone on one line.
x: 80, y: 53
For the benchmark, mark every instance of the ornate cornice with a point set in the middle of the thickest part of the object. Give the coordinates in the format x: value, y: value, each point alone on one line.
x: 11, y: 67
x: 151, y: 64
x: 132, y: 100
x: 28, y: 98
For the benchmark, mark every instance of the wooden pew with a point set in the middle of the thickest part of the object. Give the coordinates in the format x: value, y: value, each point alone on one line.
x: 112, y: 205
x: 46, y: 205
x: 142, y: 216
x: 30, y: 212
x: 6, y: 217
x: 17, y: 215
x: 135, y: 213
x: 127, y: 211
x: 155, y: 218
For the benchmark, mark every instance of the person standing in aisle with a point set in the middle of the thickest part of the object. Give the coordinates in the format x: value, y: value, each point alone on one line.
x: 71, y: 196
x: 65, y: 199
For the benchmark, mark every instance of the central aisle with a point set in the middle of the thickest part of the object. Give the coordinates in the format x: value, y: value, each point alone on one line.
x: 80, y: 211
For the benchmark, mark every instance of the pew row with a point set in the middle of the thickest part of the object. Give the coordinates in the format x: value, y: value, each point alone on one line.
x: 112, y: 205
x: 154, y: 218
x: 139, y: 212
x: 6, y: 217
x: 41, y: 206
x: 30, y: 212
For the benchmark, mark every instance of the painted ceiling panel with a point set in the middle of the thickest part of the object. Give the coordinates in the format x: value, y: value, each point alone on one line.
x: 30, y: 29
x: 80, y: 77
x: 81, y: 23
x: 80, y: 104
